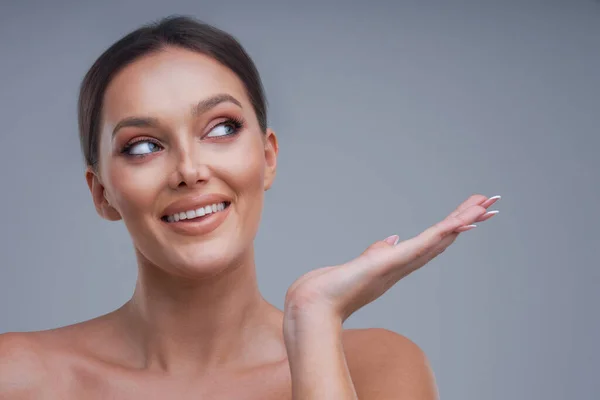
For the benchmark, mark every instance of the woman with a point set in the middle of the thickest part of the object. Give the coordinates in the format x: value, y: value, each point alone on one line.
x: 172, y: 123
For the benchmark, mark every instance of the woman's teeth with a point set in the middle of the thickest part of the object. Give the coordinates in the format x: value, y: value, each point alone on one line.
x: 200, y: 212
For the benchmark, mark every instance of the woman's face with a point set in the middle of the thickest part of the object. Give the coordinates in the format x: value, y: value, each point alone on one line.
x: 179, y: 134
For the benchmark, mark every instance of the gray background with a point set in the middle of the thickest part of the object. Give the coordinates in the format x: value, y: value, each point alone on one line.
x: 389, y: 115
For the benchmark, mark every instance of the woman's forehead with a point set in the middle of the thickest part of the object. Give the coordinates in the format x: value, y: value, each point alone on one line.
x: 167, y: 81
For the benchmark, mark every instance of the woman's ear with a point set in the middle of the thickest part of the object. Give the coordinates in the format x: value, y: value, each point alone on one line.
x: 271, y: 151
x: 99, y: 196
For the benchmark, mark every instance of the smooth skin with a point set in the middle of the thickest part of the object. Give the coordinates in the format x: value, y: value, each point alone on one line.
x: 196, y: 326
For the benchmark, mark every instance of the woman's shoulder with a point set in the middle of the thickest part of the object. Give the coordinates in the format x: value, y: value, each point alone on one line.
x: 36, y: 360
x: 23, y: 368
x: 381, y: 360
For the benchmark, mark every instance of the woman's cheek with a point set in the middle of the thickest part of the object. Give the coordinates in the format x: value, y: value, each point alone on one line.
x: 253, y: 174
x: 134, y: 190
x: 245, y: 164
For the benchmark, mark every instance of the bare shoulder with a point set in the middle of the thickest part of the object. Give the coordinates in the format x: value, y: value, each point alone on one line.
x: 36, y: 365
x: 385, y: 364
x: 23, y: 372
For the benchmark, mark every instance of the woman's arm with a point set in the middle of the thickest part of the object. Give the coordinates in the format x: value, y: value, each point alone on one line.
x: 316, y: 355
x: 367, y: 364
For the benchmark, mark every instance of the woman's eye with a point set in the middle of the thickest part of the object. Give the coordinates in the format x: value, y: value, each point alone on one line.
x: 142, y: 148
x: 224, y: 129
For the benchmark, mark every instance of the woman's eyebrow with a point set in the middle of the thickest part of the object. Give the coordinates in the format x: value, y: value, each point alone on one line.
x: 200, y: 108
x: 141, y: 122
x: 211, y: 102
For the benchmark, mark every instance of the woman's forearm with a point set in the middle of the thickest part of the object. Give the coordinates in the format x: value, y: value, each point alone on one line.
x: 316, y: 357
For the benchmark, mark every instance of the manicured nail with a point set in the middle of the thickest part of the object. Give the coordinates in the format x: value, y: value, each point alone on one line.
x: 392, y: 240
x: 465, y: 228
x: 491, y: 200
x: 491, y: 213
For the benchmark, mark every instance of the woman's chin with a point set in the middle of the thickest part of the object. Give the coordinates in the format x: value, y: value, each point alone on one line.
x: 198, y: 263
x: 197, y: 256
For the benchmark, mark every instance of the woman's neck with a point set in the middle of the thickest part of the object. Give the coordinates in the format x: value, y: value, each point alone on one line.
x: 193, y: 327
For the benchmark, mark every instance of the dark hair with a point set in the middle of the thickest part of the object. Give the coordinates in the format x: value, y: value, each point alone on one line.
x: 179, y: 31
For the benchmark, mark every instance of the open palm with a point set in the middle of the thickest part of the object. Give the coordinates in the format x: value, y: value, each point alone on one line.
x: 345, y: 288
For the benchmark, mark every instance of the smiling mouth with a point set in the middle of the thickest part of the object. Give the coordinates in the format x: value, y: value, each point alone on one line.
x: 197, y: 214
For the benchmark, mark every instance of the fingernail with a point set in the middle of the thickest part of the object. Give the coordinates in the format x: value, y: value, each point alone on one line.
x: 491, y: 213
x: 466, y: 228
x: 392, y: 240
x: 491, y: 200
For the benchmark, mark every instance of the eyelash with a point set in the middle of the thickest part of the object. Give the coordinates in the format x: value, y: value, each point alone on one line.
x: 237, y: 124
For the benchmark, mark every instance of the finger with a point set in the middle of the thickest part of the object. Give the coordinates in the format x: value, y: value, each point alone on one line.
x: 465, y: 228
x: 421, y: 245
x: 387, y: 242
x: 394, y: 275
x: 391, y: 264
x: 476, y: 199
x: 413, y: 248
x: 472, y: 200
x: 491, y: 201
x: 487, y: 215
x: 436, y: 239
x: 445, y: 243
x: 434, y: 252
x: 416, y: 252
x: 480, y: 200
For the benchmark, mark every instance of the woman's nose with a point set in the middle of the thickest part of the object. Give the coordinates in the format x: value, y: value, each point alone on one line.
x: 189, y: 171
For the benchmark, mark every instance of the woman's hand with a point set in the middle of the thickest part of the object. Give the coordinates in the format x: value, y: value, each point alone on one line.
x: 338, y: 291
x: 318, y: 303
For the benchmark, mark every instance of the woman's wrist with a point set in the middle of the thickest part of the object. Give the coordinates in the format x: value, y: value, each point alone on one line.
x: 313, y: 338
x: 302, y: 316
x: 304, y: 326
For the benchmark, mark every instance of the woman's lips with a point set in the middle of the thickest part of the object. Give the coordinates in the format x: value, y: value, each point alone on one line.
x: 200, y: 225
x: 204, y: 211
x: 195, y: 202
